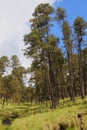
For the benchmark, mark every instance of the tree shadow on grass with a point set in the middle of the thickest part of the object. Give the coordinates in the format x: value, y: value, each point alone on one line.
x: 35, y: 110
x: 84, y: 105
x: 68, y: 104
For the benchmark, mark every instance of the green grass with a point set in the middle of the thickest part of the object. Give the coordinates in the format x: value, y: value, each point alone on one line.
x: 38, y: 117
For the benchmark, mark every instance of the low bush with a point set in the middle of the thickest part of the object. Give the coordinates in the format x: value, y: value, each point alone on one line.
x: 63, y: 126
x: 6, y: 121
x: 14, y: 115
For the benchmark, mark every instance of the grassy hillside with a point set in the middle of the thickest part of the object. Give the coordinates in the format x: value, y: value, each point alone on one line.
x: 38, y: 117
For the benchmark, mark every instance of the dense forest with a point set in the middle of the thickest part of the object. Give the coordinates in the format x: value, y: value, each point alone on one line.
x: 56, y: 72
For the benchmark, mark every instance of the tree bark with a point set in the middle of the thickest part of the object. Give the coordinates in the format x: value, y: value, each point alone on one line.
x: 52, y: 83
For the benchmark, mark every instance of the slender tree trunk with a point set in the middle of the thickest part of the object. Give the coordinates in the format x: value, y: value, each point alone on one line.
x: 62, y: 83
x: 52, y: 84
x: 71, y: 84
x: 81, y: 81
x: 85, y: 75
x: 3, y: 103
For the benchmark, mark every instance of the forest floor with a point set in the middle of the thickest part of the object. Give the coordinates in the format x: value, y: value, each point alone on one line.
x: 72, y: 116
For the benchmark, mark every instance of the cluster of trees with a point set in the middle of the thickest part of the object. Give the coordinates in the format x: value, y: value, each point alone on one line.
x: 12, y: 80
x: 57, y: 72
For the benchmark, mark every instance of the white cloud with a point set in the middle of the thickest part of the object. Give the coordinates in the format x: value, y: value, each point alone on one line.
x: 13, y: 18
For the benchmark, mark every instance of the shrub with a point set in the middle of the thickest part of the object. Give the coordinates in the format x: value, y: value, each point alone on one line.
x: 14, y: 115
x: 63, y: 126
x: 6, y: 121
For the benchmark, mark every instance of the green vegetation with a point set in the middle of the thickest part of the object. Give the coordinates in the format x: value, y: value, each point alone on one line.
x: 57, y: 76
x: 39, y: 117
x: 57, y: 72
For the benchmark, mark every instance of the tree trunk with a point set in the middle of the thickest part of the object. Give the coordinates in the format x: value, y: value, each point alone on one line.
x: 71, y: 84
x: 81, y: 81
x: 62, y: 83
x: 52, y: 84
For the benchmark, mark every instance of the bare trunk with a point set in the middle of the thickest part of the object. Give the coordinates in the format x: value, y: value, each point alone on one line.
x: 62, y: 83
x: 52, y: 84
x: 71, y: 84
x: 81, y: 81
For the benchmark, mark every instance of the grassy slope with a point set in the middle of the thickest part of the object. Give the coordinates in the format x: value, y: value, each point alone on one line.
x: 40, y: 118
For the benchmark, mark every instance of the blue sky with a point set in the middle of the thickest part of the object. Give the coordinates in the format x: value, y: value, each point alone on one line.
x: 14, y: 16
x: 74, y: 8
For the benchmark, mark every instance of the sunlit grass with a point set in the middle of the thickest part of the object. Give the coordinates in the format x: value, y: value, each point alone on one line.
x: 38, y: 117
